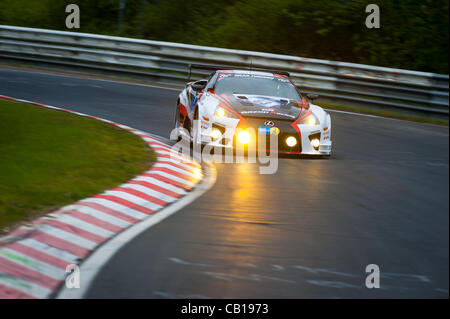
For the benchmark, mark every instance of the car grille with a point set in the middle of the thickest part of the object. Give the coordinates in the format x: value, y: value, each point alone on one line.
x: 286, y: 130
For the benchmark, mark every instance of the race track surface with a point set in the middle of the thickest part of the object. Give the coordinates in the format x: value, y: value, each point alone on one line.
x: 308, y: 231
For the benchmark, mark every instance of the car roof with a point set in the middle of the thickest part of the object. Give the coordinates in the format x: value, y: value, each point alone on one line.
x: 223, y: 68
x: 250, y: 72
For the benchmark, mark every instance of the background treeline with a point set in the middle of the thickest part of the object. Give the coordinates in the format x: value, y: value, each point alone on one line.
x: 413, y: 34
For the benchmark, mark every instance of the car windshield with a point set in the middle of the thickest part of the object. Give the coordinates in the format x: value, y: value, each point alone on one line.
x: 255, y: 84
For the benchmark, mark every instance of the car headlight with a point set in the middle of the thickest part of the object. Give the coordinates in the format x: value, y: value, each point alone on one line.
x: 310, y: 120
x: 215, y: 134
x: 315, y: 143
x: 291, y: 141
x: 244, y: 137
x: 221, y: 113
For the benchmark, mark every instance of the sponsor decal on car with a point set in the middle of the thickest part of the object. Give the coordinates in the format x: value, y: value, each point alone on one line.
x: 204, y: 124
x: 268, y: 112
x: 268, y: 130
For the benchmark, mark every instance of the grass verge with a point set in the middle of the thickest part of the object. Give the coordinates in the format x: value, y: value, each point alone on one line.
x: 49, y: 159
x: 391, y: 114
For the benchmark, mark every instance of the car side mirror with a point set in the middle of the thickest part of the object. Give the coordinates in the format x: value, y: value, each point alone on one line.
x: 312, y: 96
x: 199, y: 85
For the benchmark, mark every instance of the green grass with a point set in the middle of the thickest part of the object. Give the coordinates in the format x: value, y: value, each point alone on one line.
x: 49, y: 159
x: 391, y: 114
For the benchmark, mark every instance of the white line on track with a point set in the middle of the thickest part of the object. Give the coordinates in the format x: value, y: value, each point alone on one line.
x: 382, y: 117
x: 90, y: 267
x: 353, y: 113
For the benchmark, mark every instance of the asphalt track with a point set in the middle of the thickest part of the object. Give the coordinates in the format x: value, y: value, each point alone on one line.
x: 307, y: 231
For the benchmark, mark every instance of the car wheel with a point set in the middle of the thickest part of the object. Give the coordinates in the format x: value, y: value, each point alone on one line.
x: 177, y: 121
x: 194, y: 129
x: 177, y: 115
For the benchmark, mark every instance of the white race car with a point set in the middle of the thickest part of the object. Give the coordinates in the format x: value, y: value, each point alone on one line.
x: 222, y: 109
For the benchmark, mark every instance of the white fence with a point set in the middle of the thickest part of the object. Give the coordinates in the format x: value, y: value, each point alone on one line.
x: 168, y: 62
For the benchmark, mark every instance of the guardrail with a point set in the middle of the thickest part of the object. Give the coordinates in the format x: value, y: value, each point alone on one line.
x: 168, y: 62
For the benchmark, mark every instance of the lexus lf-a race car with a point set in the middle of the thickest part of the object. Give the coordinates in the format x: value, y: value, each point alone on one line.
x: 225, y: 109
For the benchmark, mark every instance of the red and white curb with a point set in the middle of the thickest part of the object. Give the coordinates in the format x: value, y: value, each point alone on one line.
x: 34, y: 257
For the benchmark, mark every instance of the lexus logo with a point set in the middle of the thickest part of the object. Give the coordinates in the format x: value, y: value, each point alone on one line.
x: 269, y: 123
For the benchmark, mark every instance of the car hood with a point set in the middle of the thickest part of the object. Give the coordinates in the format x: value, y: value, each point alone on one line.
x: 259, y: 106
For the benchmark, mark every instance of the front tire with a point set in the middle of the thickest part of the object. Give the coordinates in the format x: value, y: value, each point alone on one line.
x: 194, y: 126
x: 177, y: 121
x: 196, y: 131
x: 177, y: 115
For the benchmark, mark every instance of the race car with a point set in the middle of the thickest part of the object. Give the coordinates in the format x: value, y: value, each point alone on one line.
x: 224, y: 109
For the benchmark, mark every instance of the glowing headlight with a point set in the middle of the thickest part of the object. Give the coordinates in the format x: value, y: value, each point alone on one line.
x: 244, y: 137
x: 315, y: 143
x: 310, y: 120
x: 291, y: 141
x: 215, y: 134
x: 221, y: 112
